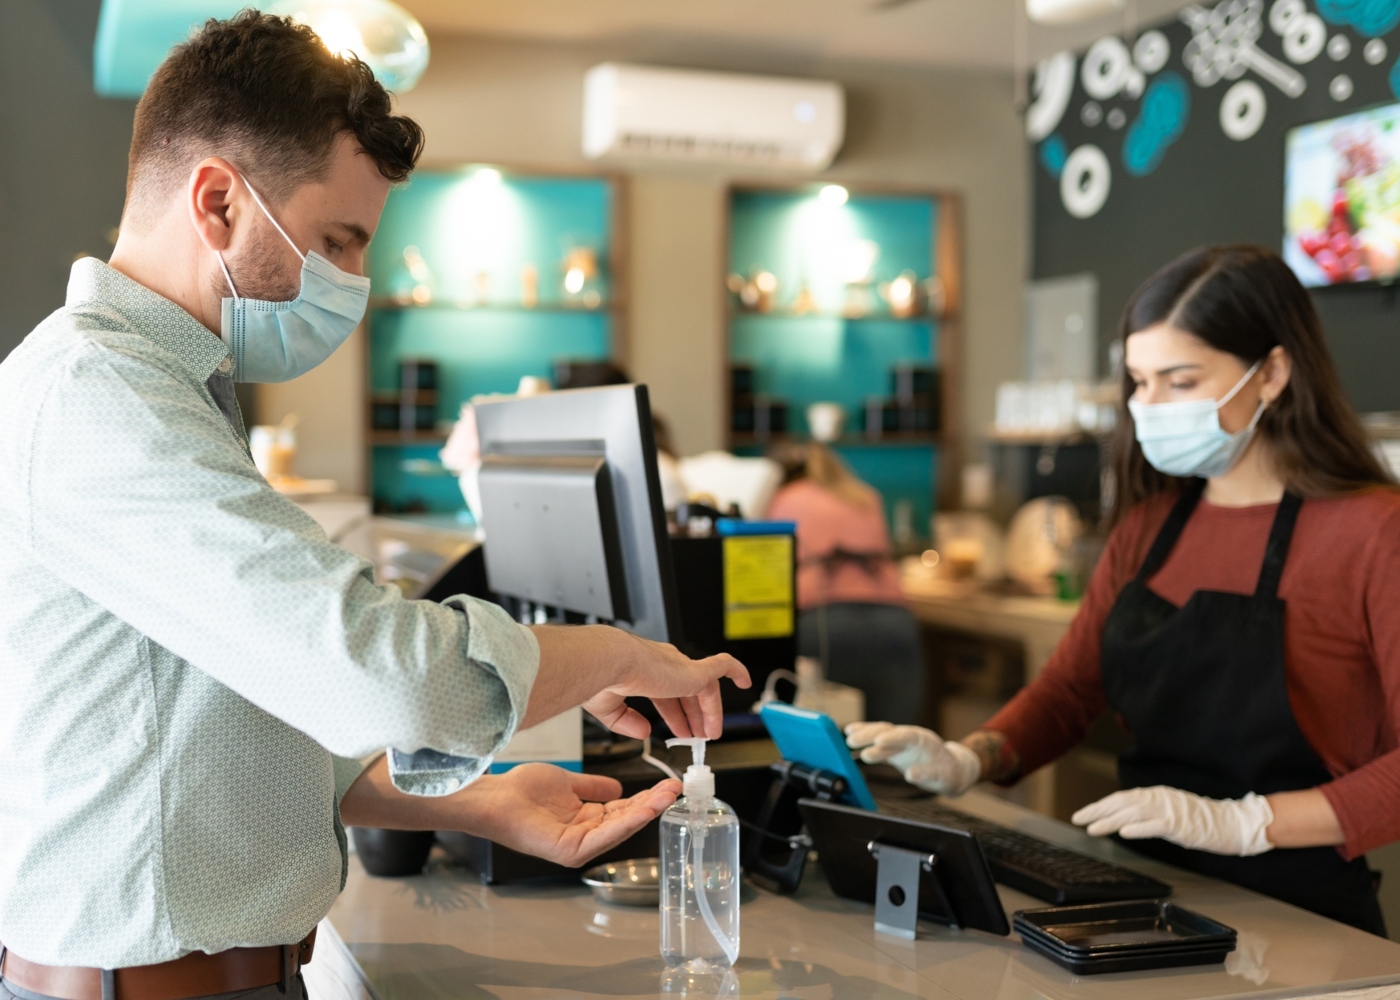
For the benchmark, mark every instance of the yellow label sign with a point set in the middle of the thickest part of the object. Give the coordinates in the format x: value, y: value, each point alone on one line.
x: 758, y: 598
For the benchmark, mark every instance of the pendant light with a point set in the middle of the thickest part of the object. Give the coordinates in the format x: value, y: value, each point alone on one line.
x: 1069, y: 11
x: 382, y: 34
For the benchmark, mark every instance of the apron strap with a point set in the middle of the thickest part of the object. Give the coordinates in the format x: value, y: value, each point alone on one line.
x: 1171, y: 529
x: 1280, y: 537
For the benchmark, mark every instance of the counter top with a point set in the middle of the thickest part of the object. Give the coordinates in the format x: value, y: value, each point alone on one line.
x: 444, y: 935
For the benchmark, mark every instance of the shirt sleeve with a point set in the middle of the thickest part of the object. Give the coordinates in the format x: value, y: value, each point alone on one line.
x: 1052, y: 714
x: 140, y: 496
x: 1367, y: 800
x: 348, y: 771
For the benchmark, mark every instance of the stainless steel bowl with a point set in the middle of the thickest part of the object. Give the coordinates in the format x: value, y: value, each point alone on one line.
x: 627, y: 883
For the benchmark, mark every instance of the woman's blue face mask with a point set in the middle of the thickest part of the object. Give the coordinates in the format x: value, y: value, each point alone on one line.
x: 277, y: 341
x: 1185, y: 438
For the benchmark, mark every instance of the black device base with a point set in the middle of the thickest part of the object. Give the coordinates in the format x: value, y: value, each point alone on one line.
x: 779, y: 824
x: 960, y: 893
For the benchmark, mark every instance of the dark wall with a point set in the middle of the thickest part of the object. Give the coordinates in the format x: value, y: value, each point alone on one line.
x: 62, y: 157
x: 1210, y: 188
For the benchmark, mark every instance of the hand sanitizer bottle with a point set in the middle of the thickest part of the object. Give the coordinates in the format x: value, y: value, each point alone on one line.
x: 699, y: 873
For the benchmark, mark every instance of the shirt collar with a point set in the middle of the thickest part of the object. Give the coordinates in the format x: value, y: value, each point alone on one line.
x: 95, y: 283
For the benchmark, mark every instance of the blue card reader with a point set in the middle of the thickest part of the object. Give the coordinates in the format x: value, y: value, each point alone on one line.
x: 811, y: 738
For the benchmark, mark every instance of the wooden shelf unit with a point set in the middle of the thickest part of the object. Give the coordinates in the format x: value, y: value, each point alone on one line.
x: 945, y: 265
x: 455, y: 309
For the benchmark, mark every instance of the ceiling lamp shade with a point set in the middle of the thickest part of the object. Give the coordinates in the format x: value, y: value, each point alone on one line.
x: 1069, y: 11
x: 382, y: 34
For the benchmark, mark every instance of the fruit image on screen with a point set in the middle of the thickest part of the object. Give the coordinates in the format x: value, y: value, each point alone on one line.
x: 1342, y: 198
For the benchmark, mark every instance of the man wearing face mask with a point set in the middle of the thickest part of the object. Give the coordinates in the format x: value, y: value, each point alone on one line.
x: 1244, y: 621
x: 190, y: 674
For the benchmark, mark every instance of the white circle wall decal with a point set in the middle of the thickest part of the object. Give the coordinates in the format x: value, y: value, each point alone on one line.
x: 1242, y: 110
x: 1105, y: 68
x: 1053, y: 86
x: 1375, y: 51
x: 1340, y: 88
x: 1305, y: 39
x: 1284, y: 13
x: 1152, y: 51
x: 1338, y: 47
x: 1117, y: 118
x: 1134, y: 83
x: 1085, y: 183
x: 1091, y: 114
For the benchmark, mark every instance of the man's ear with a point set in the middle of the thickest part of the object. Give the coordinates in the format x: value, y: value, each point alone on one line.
x: 209, y: 197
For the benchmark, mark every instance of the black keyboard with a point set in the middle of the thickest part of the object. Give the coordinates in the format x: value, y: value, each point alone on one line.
x: 1042, y: 870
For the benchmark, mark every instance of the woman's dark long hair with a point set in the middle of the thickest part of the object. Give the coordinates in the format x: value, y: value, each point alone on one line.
x: 1245, y: 300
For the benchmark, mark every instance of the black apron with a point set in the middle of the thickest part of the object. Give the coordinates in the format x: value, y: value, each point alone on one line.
x: 1201, y: 689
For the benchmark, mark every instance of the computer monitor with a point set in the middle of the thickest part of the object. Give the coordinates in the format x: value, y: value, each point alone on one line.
x: 571, y: 507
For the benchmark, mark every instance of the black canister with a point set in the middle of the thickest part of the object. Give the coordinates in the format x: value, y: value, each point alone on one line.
x: 392, y: 853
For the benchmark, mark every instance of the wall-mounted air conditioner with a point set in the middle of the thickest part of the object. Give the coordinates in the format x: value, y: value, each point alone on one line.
x: 643, y: 111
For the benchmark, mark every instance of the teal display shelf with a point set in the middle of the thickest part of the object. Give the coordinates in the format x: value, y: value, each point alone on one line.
x: 470, y: 269
x: 828, y: 332
x: 804, y: 359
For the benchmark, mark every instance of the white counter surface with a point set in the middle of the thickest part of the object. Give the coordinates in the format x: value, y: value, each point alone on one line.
x: 444, y: 935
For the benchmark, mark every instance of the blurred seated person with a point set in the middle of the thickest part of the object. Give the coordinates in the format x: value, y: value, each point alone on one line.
x: 851, y: 616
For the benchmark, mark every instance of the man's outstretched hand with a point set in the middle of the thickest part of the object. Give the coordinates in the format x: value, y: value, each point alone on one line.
x: 560, y: 815
x: 537, y: 809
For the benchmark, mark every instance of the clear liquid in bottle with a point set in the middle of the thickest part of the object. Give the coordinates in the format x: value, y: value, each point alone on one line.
x: 699, y: 845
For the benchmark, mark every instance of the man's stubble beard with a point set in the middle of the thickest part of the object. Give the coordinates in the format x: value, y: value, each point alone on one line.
x: 258, y: 271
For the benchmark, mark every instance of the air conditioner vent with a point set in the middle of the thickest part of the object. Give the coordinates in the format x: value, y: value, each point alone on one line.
x: 646, y: 112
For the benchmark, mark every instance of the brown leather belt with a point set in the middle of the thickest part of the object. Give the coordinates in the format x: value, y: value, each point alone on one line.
x: 194, y: 975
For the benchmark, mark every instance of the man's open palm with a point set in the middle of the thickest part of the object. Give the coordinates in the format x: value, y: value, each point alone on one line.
x: 563, y: 816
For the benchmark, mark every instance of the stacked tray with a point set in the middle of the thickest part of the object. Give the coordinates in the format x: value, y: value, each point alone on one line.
x: 1124, y: 937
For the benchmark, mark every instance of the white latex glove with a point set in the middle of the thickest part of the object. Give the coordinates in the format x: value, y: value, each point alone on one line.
x: 922, y: 756
x: 1221, y: 826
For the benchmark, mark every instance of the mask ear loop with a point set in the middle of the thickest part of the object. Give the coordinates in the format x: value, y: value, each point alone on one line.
x: 270, y: 219
x: 1240, y: 384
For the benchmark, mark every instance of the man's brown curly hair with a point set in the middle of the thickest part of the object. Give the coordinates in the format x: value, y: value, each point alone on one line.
x: 266, y: 94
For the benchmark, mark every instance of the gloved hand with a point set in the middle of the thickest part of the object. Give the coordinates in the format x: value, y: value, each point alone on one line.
x: 922, y: 756
x: 1221, y: 826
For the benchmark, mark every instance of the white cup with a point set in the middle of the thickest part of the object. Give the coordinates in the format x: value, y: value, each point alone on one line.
x: 826, y: 420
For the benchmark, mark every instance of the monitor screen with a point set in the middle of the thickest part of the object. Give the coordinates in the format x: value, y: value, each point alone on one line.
x: 1342, y: 198
x: 571, y: 507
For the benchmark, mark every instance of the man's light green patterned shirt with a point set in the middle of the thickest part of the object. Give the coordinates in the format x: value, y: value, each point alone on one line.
x: 182, y: 652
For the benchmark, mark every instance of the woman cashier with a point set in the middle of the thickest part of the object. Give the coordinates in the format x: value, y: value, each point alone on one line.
x: 1244, y: 621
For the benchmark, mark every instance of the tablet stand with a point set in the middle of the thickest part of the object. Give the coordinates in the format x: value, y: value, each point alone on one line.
x: 897, y: 883
x: 779, y: 820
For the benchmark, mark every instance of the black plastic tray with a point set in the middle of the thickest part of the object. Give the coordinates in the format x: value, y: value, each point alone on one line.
x: 1109, y: 929
x: 1129, y: 963
x: 1049, y: 940
x: 1169, y: 955
x: 1050, y: 943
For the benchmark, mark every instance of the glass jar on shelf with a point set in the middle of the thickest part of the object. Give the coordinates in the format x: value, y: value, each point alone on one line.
x: 582, y: 277
x: 412, y: 282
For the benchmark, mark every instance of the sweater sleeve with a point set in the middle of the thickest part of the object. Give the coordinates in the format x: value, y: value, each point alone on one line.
x: 1053, y: 713
x: 1367, y: 800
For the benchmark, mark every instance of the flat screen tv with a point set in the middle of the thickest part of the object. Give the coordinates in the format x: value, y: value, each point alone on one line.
x: 1342, y: 198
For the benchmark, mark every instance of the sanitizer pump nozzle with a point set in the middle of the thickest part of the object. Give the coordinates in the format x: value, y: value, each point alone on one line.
x: 698, y: 783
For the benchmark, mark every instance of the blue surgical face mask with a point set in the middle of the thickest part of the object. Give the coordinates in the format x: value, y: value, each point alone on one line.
x: 1186, y: 439
x: 277, y: 341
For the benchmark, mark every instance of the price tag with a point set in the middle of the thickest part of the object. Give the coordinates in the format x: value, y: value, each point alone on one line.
x: 758, y: 591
